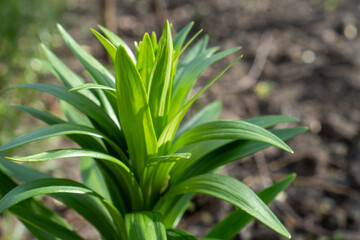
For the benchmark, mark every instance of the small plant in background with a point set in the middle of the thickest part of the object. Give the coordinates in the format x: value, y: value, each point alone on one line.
x: 140, y: 165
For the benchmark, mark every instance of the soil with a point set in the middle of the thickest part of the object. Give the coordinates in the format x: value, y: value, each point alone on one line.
x: 300, y: 59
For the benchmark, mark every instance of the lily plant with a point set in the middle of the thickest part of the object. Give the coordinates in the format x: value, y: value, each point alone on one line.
x: 140, y: 161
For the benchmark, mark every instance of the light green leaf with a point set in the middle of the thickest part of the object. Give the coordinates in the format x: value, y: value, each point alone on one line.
x: 230, y: 190
x: 96, y: 69
x: 185, y: 79
x: 238, y: 219
x: 180, y: 37
x: 110, y: 48
x: 117, y: 41
x: 64, y: 74
x: 145, y: 60
x: 228, y: 129
x: 168, y: 134
x: 135, y: 118
x: 161, y: 81
x: 93, y: 86
x: 145, y: 225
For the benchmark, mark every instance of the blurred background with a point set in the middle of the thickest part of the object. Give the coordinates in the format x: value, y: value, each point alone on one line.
x: 300, y: 59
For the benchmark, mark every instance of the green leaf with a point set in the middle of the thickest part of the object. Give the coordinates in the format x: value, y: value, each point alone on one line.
x: 179, y: 234
x: 209, y: 113
x: 234, y: 151
x: 161, y: 81
x: 156, y: 175
x: 64, y: 74
x: 92, y: 206
x: 180, y: 37
x: 41, y: 115
x: 117, y: 41
x: 174, y: 209
x: 185, y: 79
x: 93, y: 86
x: 73, y: 115
x: 59, y: 130
x: 230, y: 190
x: 168, y: 134
x: 238, y: 219
x: 86, y: 106
x: 123, y: 174
x: 110, y: 48
x: 38, y: 218
x: 95, y: 68
x: 92, y: 177
x: 270, y: 120
x: 145, y: 225
x: 135, y: 117
x: 145, y: 61
x: 228, y: 129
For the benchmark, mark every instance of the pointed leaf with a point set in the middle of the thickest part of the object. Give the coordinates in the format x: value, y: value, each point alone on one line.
x: 228, y: 129
x: 145, y: 61
x: 80, y: 102
x: 160, y: 81
x: 117, y: 41
x: 95, y: 68
x: 230, y: 190
x: 168, y: 134
x: 110, y: 48
x: 232, y: 152
x: 135, y: 118
x: 238, y: 219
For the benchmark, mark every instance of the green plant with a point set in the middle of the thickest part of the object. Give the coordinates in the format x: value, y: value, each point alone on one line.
x: 140, y: 166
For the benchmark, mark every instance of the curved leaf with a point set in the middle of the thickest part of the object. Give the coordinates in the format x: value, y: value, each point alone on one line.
x: 232, y: 152
x: 228, y: 129
x: 59, y: 130
x: 238, y: 219
x: 39, y: 219
x: 88, y: 203
x: 117, y: 41
x: 82, y: 103
x: 230, y: 190
x: 95, y: 68
x: 110, y: 48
